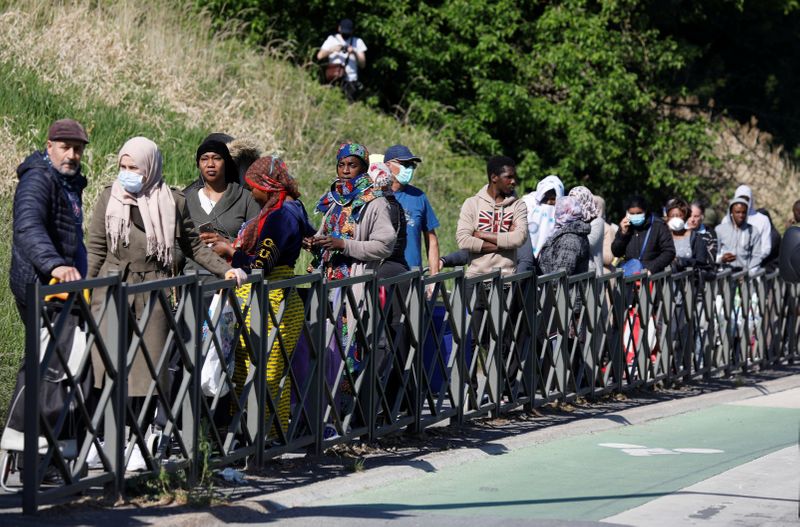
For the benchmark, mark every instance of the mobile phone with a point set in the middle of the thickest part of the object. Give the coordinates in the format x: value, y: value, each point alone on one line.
x: 206, y: 227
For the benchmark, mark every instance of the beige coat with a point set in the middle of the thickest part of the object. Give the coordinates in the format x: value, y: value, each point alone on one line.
x: 135, y: 267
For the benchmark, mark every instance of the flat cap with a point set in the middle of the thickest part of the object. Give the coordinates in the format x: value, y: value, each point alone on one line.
x: 67, y: 130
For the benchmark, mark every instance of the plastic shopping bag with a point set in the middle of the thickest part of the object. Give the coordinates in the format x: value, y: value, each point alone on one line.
x: 212, y: 380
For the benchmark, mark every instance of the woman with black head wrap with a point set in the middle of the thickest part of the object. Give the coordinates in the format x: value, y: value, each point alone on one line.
x: 217, y: 203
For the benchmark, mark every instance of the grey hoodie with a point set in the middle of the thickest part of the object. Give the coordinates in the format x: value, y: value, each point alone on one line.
x: 759, y: 221
x: 508, y: 219
x: 744, y: 242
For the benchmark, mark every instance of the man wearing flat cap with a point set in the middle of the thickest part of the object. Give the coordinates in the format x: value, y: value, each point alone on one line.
x: 48, y: 213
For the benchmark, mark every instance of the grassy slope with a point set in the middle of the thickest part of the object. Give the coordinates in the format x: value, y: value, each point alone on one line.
x: 152, y: 69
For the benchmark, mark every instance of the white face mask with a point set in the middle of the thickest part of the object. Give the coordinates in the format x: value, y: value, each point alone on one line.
x: 676, y: 224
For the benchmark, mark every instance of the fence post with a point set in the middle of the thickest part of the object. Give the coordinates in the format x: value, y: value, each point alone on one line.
x: 191, y: 411
x: 417, y: 296
x: 497, y: 363
x: 459, y: 296
x: 529, y: 372
x: 116, y: 414
x: 31, y: 422
x: 372, y: 307
x: 317, y: 333
x: 259, y: 316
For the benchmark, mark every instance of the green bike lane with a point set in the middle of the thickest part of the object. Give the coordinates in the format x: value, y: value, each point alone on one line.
x: 594, y: 476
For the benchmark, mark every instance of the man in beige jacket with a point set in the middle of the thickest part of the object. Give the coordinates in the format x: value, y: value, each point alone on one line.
x: 493, y: 223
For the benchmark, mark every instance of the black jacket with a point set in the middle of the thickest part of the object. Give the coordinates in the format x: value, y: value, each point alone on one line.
x: 45, y: 231
x: 660, y: 250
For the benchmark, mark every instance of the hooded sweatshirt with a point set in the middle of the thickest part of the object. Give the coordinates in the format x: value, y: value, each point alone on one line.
x: 541, y: 217
x: 507, y: 219
x: 743, y: 242
x: 759, y: 221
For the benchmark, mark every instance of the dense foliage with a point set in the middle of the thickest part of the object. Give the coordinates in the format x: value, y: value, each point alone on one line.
x: 612, y: 93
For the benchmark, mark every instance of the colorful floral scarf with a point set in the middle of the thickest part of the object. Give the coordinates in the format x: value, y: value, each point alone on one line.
x: 342, y: 206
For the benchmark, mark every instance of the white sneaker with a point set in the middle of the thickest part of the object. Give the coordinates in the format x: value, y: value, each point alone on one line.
x: 136, y: 463
x: 93, y: 459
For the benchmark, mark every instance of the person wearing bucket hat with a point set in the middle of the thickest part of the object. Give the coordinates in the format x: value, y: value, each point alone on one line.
x: 345, y: 53
x: 421, y: 220
x: 48, y: 212
x: 217, y: 203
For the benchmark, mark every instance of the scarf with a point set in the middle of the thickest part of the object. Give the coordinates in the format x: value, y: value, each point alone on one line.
x: 568, y: 210
x: 342, y: 206
x: 155, y: 202
x: 587, y: 203
x: 381, y: 178
x: 541, y: 217
x: 353, y: 149
x: 269, y: 175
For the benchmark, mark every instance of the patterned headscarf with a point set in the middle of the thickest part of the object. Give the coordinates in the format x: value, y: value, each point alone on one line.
x: 586, y: 200
x: 270, y: 175
x: 155, y: 202
x: 568, y: 210
x: 381, y: 177
x: 353, y: 149
x: 342, y: 205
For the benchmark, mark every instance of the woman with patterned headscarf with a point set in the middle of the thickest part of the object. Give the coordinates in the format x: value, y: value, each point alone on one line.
x: 593, y: 216
x: 355, y: 236
x: 567, y: 248
x: 271, y: 242
x: 136, y: 225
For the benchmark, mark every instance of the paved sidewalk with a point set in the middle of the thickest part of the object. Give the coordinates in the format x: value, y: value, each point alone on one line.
x: 304, y: 504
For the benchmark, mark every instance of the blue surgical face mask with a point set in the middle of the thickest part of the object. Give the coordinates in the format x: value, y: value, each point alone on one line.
x: 636, y: 219
x: 405, y: 175
x: 130, y: 181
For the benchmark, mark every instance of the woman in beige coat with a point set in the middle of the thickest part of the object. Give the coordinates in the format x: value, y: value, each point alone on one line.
x: 136, y: 224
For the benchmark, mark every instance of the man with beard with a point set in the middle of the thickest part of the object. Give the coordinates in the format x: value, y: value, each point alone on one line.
x: 48, y: 213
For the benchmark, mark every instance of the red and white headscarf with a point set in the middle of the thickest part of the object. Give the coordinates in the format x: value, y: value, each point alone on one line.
x: 269, y: 175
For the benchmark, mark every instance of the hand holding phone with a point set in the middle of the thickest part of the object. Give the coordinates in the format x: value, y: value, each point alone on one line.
x: 206, y: 227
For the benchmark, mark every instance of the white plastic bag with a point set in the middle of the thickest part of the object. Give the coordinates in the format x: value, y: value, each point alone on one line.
x: 212, y: 380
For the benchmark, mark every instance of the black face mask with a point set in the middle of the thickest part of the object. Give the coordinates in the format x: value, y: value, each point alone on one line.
x: 347, y: 35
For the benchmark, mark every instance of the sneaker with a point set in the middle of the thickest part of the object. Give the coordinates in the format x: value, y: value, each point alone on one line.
x: 136, y: 463
x: 93, y: 459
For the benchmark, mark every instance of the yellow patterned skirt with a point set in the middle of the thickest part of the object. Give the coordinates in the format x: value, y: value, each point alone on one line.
x: 279, y: 385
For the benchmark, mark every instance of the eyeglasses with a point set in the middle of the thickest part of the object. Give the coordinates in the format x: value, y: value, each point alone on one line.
x: 405, y: 163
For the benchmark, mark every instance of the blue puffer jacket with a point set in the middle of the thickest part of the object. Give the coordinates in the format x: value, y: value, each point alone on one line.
x: 45, y: 233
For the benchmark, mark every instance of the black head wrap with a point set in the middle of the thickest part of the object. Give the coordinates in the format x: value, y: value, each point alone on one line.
x: 218, y: 147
